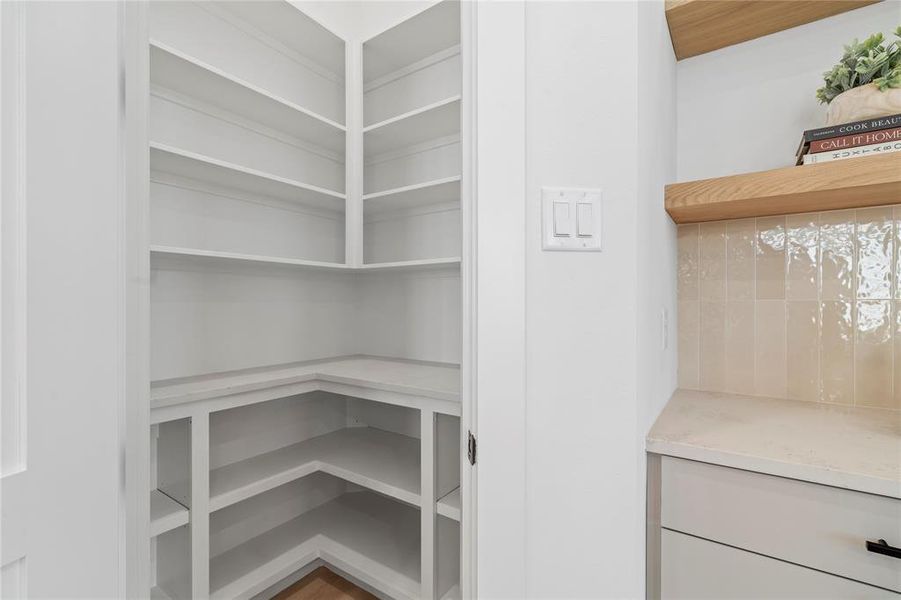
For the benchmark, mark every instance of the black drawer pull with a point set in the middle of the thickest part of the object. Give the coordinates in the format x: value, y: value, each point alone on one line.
x: 882, y: 547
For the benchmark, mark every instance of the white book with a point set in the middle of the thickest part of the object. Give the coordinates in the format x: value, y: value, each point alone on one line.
x: 870, y: 150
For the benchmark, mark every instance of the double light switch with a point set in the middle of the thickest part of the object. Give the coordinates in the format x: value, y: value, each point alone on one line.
x: 571, y: 219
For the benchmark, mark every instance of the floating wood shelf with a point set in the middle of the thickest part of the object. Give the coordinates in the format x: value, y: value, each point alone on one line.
x: 700, y: 26
x: 852, y: 183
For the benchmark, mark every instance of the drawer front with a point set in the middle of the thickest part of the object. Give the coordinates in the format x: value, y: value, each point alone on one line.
x: 814, y: 525
x: 695, y: 569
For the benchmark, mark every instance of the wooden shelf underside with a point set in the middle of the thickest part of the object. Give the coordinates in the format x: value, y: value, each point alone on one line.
x: 701, y: 26
x: 852, y: 183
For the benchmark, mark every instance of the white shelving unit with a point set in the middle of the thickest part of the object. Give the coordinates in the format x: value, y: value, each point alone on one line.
x: 306, y: 322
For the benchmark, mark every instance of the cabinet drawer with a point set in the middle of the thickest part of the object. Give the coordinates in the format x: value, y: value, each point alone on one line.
x: 814, y: 525
x: 694, y: 569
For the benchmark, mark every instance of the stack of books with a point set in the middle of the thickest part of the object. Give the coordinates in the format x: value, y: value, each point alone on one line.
x: 850, y: 140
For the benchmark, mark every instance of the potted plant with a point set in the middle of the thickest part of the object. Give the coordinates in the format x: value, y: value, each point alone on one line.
x: 866, y: 83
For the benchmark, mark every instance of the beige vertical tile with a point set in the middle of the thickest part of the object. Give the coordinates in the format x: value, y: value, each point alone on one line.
x: 770, y: 262
x: 802, y: 277
x: 687, y: 251
x: 712, y: 359
x: 689, y: 344
x: 740, y: 347
x: 712, y: 252
x: 740, y: 259
x: 769, y: 354
x: 897, y: 272
x: 874, y: 253
x: 896, y: 371
x: 836, y: 352
x: 873, y: 360
x: 802, y: 332
x: 837, y: 255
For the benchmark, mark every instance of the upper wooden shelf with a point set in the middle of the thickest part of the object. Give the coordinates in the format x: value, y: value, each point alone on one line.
x: 700, y: 26
x: 851, y: 183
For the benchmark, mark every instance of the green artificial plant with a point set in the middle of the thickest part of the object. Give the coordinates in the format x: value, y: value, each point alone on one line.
x: 869, y: 61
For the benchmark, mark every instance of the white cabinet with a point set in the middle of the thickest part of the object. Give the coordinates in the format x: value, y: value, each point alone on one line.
x: 729, y: 533
x: 305, y: 300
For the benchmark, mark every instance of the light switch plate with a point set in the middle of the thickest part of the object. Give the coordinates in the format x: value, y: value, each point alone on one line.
x: 583, y: 230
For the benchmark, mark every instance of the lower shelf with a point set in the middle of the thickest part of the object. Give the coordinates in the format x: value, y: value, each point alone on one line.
x: 165, y: 513
x: 379, y: 460
x: 449, y: 505
x: 372, y: 538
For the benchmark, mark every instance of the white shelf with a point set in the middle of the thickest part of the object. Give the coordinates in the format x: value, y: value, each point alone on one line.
x: 438, y: 191
x: 196, y: 253
x: 305, y: 38
x: 372, y: 538
x: 449, y: 505
x: 429, y: 32
x: 165, y: 513
x: 186, y: 75
x: 157, y: 593
x: 437, y: 120
x: 394, y: 381
x: 381, y: 461
x: 412, y: 265
x: 210, y: 170
x: 452, y: 594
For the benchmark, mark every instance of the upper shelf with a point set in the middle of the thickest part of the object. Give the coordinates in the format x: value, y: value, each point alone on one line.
x: 435, y: 29
x: 700, y: 26
x: 430, y: 122
x: 851, y: 183
x: 210, y: 170
x: 173, y: 70
x: 436, y: 191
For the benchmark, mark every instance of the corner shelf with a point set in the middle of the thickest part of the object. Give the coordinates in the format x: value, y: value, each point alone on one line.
x: 215, y: 255
x: 350, y: 532
x: 701, y: 26
x: 413, y: 265
x: 436, y: 191
x: 176, y: 71
x: 449, y: 505
x: 185, y: 163
x: 166, y: 514
x: 381, y: 461
x: 436, y: 120
x: 851, y: 183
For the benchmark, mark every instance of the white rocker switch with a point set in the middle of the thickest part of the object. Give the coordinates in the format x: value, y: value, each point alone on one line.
x: 585, y: 219
x: 562, y: 222
x: 571, y: 219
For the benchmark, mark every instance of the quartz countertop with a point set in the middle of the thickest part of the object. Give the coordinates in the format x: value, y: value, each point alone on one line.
x: 847, y: 447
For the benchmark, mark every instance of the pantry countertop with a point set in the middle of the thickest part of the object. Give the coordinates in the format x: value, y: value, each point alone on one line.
x: 847, y: 447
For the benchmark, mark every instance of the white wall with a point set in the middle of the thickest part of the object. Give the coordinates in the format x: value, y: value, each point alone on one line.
x: 599, y: 101
x: 743, y: 108
x: 73, y: 347
x: 361, y: 19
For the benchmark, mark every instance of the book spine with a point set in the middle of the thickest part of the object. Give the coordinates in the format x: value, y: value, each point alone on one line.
x: 870, y: 150
x: 876, y: 124
x: 852, y: 141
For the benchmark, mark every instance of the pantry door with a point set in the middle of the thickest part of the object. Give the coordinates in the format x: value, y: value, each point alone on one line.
x: 61, y: 483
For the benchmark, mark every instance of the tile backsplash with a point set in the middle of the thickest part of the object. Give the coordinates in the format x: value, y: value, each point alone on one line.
x: 803, y: 306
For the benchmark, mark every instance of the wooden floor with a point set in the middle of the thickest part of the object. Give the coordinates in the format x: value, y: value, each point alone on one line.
x: 322, y: 584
